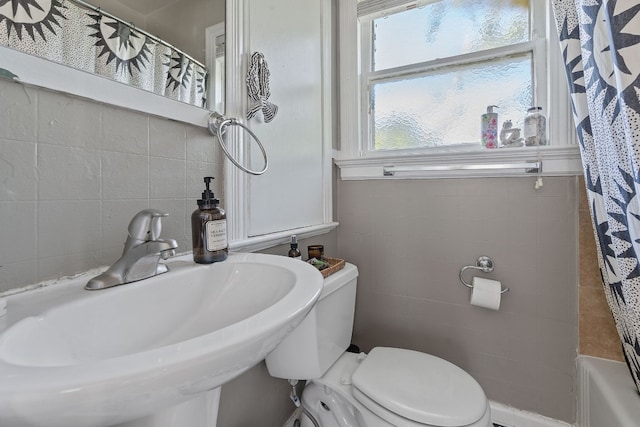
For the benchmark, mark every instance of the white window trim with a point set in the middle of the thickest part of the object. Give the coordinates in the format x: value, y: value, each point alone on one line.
x: 561, y: 158
x: 216, y: 74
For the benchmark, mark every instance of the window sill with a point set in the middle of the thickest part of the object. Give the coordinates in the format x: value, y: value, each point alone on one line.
x: 258, y: 243
x: 557, y: 161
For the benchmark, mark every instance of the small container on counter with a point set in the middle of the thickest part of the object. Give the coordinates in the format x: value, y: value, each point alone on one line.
x: 294, y: 252
x: 315, y: 251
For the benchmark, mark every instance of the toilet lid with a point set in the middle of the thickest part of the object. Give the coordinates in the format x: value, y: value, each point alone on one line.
x: 418, y: 386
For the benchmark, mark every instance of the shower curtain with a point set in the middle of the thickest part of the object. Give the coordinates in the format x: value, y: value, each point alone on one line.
x: 92, y: 41
x: 600, y: 41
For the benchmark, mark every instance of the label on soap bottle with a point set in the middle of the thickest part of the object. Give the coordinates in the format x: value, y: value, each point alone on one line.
x: 216, y: 235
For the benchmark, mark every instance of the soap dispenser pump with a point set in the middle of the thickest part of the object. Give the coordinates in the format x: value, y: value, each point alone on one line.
x: 209, y: 228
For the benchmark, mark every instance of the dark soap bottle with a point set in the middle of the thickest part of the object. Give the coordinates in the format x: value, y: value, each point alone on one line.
x: 209, y: 229
x: 294, y: 252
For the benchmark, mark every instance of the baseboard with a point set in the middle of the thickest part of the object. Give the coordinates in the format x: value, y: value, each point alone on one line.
x: 508, y: 416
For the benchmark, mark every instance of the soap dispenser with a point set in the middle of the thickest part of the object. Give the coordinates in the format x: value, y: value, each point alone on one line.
x: 294, y: 252
x: 209, y: 229
x: 489, y: 128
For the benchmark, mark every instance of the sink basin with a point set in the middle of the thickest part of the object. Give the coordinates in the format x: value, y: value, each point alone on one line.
x: 71, y: 357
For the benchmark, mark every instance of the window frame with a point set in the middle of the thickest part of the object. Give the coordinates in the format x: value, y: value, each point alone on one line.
x: 357, y: 160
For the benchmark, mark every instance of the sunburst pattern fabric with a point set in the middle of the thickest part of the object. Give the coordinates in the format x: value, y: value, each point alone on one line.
x: 600, y: 42
x: 90, y: 41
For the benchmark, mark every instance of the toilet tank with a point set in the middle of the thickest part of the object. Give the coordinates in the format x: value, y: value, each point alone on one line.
x: 321, y: 338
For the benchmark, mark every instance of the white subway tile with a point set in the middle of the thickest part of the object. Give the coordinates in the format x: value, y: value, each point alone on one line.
x: 17, y: 231
x: 125, y: 131
x: 167, y: 178
x: 18, y: 274
x: 69, y: 227
x: 202, y: 146
x: 68, y: 173
x: 18, y: 105
x: 167, y: 138
x: 124, y: 176
x: 17, y: 170
x: 67, y: 120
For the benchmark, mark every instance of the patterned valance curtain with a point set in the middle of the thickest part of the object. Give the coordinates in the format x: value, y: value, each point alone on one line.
x: 600, y: 41
x: 88, y: 39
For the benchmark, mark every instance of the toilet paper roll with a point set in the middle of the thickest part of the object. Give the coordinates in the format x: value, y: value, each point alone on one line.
x: 486, y: 293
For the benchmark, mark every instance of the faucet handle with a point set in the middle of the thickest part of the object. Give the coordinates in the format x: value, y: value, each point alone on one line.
x: 146, y: 225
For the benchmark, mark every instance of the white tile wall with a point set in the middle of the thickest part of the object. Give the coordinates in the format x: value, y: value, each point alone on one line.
x: 73, y: 172
x: 18, y: 112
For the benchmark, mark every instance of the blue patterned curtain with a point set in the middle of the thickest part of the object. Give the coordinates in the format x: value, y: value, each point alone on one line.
x: 89, y: 40
x: 600, y: 41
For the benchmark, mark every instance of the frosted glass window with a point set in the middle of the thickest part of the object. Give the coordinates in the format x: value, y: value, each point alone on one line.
x: 431, y: 68
x: 443, y: 107
x: 446, y: 28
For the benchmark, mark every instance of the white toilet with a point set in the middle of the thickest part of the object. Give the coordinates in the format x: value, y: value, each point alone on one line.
x: 387, y: 387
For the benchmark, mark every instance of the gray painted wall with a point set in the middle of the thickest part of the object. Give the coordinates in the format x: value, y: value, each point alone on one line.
x: 410, y: 239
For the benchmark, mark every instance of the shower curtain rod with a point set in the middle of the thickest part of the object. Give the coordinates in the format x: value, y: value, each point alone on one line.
x: 529, y: 167
x: 151, y: 36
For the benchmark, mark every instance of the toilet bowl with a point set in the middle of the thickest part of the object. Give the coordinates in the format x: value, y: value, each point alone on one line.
x: 363, y: 390
x: 389, y: 387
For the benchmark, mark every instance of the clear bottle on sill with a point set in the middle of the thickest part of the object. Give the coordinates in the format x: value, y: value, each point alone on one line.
x: 535, y: 127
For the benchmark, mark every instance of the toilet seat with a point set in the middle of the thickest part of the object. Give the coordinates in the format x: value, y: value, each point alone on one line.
x: 398, y: 384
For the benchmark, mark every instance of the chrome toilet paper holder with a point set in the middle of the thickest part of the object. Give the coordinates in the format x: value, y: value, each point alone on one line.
x: 484, y: 264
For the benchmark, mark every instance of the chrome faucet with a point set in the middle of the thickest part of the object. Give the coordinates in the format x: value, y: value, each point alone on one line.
x: 141, y: 255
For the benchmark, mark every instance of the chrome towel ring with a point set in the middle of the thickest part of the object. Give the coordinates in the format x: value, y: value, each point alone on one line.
x: 217, y: 125
x: 484, y: 264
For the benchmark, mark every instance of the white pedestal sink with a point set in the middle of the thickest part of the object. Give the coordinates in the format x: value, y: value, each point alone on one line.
x: 71, y: 357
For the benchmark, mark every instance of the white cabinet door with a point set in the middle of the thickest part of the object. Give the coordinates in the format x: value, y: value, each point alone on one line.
x: 294, y: 195
x: 290, y: 194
